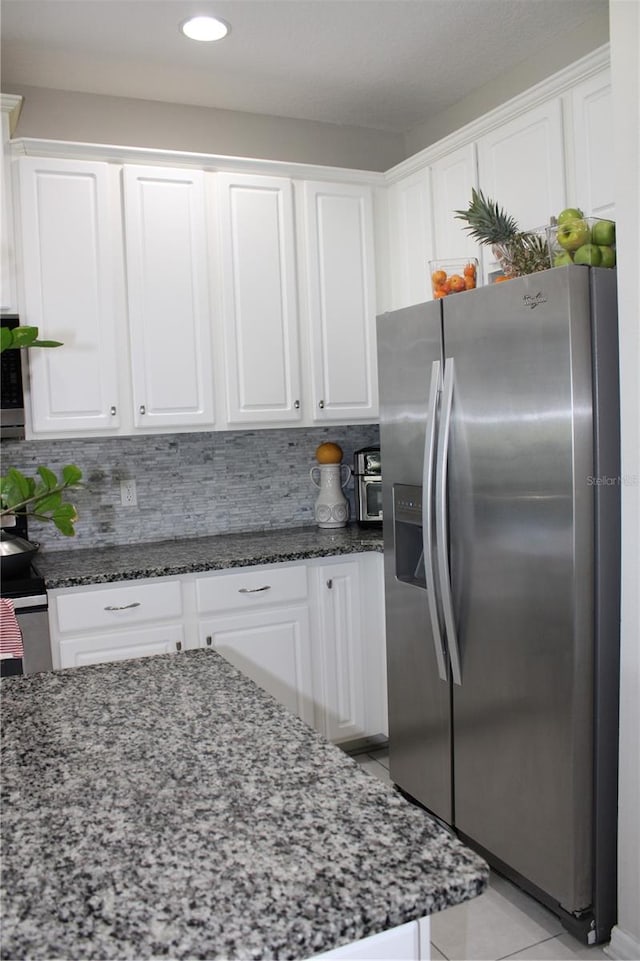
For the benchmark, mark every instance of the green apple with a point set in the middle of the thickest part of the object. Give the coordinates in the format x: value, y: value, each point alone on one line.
x: 561, y: 260
x: 573, y: 234
x: 608, y: 256
x: 588, y: 254
x: 569, y: 213
x: 603, y: 233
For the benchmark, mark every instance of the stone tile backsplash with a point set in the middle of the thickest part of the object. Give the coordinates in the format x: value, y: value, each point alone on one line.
x: 188, y: 485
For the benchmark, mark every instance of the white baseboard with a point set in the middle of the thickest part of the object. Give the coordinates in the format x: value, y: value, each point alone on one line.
x: 623, y: 946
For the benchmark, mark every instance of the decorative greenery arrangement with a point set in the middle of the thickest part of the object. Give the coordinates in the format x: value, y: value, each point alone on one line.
x: 519, y: 252
x: 40, y: 498
x: 19, y: 337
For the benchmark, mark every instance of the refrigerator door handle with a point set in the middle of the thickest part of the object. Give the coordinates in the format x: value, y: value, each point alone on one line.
x: 442, y: 547
x: 427, y: 514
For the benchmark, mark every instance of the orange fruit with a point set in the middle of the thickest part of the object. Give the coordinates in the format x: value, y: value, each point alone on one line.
x: 329, y: 453
x: 456, y: 283
x: 470, y: 282
x: 439, y: 293
x: 499, y: 279
x: 438, y: 277
x: 470, y: 270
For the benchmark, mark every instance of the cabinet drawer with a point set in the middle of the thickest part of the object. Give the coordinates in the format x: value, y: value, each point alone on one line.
x: 250, y: 588
x: 113, y: 607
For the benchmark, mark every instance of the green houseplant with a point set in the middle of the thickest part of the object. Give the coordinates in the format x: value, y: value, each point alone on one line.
x: 43, y: 496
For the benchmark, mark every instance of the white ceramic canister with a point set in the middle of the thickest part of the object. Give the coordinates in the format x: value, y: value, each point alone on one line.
x: 331, y: 507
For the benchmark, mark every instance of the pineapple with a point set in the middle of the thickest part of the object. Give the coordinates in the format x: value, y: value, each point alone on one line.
x: 486, y: 222
x: 519, y: 252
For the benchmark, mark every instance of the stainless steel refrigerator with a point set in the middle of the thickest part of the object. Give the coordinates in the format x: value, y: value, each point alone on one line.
x: 499, y: 430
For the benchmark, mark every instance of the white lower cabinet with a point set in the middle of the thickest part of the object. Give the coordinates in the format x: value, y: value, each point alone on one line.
x: 112, y: 622
x: 310, y: 633
x: 273, y: 648
x: 340, y: 657
x: 407, y: 942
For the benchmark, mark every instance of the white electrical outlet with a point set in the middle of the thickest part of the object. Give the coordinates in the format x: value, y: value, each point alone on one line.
x: 128, y: 495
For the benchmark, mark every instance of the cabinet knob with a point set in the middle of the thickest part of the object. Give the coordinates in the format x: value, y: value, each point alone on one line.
x: 124, y: 607
x: 178, y: 645
x: 143, y: 409
x: 112, y: 410
x: 321, y: 405
x: 330, y: 583
x: 297, y: 405
x: 254, y: 590
x: 207, y: 641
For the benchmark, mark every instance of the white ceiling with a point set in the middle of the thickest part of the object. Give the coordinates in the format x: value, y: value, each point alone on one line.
x: 386, y: 64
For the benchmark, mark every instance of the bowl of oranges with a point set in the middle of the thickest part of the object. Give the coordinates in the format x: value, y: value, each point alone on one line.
x: 453, y: 276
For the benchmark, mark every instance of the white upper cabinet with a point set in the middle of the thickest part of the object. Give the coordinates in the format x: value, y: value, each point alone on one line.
x: 259, y: 309
x: 8, y: 296
x: 521, y: 165
x: 168, y: 296
x: 340, y: 287
x: 411, y: 240
x: 69, y: 275
x: 453, y: 177
x: 592, y: 181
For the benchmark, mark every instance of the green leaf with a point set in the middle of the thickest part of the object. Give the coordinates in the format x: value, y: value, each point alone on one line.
x: 71, y: 475
x: 49, y: 479
x: 23, y: 336
x: 46, y: 343
x: 64, y: 526
x: 64, y: 518
x: 48, y: 503
x: 24, y: 486
x: 6, y: 339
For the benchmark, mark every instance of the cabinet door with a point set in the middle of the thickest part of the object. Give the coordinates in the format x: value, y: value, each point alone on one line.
x: 411, y: 228
x: 66, y: 210
x: 169, y: 316
x: 341, y: 300
x: 8, y: 301
x: 97, y: 649
x: 521, y: 167
x: 342, y: 651
x: 453, y: 177
x: 593, y: 179
x: 273, y: 648
x: 260, y: 313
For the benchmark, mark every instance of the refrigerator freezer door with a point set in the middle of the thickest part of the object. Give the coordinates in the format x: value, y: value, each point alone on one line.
x: 520, y: 525
x: 409, y: 341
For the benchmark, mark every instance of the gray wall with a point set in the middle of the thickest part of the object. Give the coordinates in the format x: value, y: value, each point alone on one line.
x: 187, y: 484
x: 93, y: 118
x: 566, y: 49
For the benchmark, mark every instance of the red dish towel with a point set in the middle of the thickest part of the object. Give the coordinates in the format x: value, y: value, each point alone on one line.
x: 10, y: 634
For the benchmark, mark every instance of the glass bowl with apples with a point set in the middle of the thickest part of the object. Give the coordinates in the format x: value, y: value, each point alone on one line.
x: 576, y: 239
x: 453, y: 276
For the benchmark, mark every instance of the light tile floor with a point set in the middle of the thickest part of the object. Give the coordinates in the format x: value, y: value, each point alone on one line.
x: 502, y: 923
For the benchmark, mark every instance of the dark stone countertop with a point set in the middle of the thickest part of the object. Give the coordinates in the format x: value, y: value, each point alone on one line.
x: 167, y: 807
x: 103, y: 565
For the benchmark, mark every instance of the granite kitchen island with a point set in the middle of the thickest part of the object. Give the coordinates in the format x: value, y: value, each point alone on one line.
x: 167, y: 807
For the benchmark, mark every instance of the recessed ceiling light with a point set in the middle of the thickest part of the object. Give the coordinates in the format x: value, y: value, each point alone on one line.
x: 205, y: 28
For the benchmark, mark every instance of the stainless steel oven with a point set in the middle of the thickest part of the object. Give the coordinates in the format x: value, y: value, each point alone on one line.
x: 368, y: 485
x: 12, y: 403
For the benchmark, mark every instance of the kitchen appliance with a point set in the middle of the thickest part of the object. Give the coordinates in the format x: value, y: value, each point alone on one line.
x: 499, y: 426
x: 25, y: 587
x: 367, y: 475
x: 12, y: 401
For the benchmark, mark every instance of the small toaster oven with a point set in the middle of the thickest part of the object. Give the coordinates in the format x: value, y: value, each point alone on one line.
x: 367, y: 476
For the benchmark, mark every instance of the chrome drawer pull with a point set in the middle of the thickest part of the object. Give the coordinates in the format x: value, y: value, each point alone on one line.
x: 125, y: 607
x: 254, y: 590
